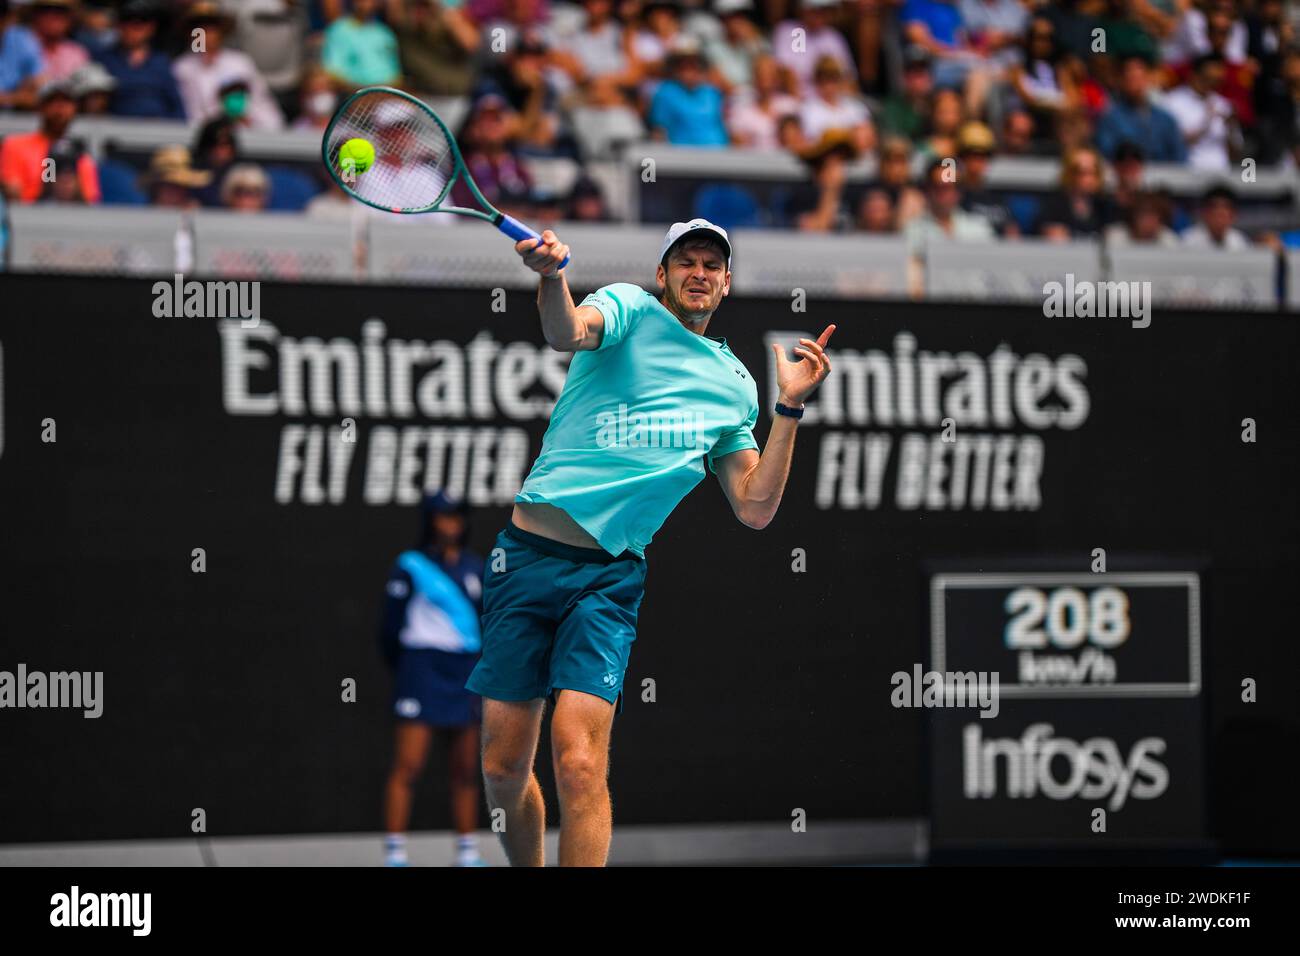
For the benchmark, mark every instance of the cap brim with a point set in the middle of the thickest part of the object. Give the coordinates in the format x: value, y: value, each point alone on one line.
x: 698, y: 231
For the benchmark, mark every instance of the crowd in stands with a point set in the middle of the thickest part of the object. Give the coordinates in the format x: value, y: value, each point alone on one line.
x: 932, y: 89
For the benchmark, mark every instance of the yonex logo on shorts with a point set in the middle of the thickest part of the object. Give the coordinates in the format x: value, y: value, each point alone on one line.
x: 609, y: 680
x: 657, y: 429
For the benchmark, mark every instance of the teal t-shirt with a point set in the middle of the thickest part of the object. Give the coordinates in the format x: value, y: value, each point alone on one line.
x: 361, y: 53
x: 637, y: 419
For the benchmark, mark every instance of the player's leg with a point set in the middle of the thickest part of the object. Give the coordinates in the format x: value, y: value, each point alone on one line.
x: 462, y: 747
x: 592, y: 646
x: 511, y: 730
x: 580, y: 734
x: 410, y: 749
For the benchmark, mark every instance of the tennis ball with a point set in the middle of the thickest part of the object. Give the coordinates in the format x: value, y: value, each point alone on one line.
x: 357, y: 153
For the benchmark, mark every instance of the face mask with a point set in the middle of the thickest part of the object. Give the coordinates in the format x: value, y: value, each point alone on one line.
x: 319, y: 104
x: 235, y: 103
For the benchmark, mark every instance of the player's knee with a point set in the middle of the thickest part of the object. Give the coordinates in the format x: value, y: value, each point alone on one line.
x: 579, y: 771
x: 503, y: 771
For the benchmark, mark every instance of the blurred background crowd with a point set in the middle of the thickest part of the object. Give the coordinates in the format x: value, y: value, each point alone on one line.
x: 929, y: 93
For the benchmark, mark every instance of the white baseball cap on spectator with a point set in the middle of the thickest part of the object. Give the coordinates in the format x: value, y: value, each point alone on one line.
x: 680, y: 230
x: 724, y: 8
x: 92, y: 78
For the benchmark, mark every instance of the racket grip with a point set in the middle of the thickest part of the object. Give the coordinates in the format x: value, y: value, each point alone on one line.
x: 516, y: 230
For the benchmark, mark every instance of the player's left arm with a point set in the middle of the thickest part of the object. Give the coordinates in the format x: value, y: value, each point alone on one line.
x: 754, y: 482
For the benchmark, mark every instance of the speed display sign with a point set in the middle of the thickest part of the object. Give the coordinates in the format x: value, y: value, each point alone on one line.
x: 1097, y: 742
x: 1060, y: 635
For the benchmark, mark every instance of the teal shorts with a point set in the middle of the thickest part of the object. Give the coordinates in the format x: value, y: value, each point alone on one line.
x: 556, y: 617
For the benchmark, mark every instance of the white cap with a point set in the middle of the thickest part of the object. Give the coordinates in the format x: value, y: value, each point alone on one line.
x: 680, y: 229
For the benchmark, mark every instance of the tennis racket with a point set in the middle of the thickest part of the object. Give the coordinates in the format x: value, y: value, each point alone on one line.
x: 416, y: 159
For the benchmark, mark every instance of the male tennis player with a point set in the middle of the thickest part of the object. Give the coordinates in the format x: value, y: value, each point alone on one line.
x: 649, y: 398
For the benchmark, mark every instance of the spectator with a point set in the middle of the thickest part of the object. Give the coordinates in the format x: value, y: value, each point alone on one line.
x: 1044, y: 83
x: 687, y: 110
x: 594, y: 58
x: 741, y: 43
x: 21, y: 63
x: 22, y: 156
x: 96, y: 29
x: 1143, y: 225
x: 524, y: 80
x: 1225, y: 36
x: 1268, y: 33
x: 1191, y: 37
x: 1131, y: 117
x: 92, y: 87
x: 1215, y: 230
x: 936, y: 26
x: 508, y: 15
x: 317, y: 99
x: 650, y: 42
x: 876, y: 212
x: 1075, y: 23
x: 819, y: 39
x: 1279, y: 128
x: 436, y: 43
x: 1017, y: 134
x: 946, y: 118
x: 895, y: 175
x: 995, y: 29
x: 145, y: 85
x: 216, y: 149
x: 1079, y: 211
x: 1130, y: 174
x: 209, y: 66
x: 907, y: 110
x: 245, y: 188
x: 755, y: 114
x: 171, y: 182
x: 1204, y: 117
x: 586, y: 202
x: 51, y: 22
x: 63, y: 185
x: 489, y: 153
x: 274, y: 35
x: 1125, y: 34
x: 975, y: 146
x: 943, y: 217
x: 827, y: 213
x: 831, y: 109
x: 360, y: 50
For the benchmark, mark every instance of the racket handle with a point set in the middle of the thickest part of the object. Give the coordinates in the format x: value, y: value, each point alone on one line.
x: 516, y: 230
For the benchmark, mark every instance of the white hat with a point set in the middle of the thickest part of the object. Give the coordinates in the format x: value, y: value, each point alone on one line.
x: 681, y: 229
x: 723, y: 7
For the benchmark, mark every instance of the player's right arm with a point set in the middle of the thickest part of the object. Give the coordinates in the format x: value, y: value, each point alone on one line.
x: 567, y: 327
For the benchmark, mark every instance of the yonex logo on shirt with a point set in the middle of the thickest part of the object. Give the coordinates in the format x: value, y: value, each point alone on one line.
x: 657, y: 429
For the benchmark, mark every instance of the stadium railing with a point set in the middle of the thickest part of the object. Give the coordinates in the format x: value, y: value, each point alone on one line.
x: 354, y: 244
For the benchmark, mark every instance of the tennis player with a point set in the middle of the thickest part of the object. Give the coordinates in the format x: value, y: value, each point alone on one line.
x: 649, y: 400
x: 430, y: 637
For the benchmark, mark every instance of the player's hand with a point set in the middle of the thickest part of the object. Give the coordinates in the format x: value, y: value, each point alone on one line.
x: 797, y: 380
x: 544, y: 259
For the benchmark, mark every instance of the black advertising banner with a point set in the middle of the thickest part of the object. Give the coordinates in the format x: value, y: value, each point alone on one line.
x: 200, y: 506
x: 1093, y: 737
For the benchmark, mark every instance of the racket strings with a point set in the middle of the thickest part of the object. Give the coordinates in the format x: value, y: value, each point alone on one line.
x: 414, y: 160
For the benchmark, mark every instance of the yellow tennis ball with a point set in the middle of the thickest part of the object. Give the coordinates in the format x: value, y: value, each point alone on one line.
x: 357, y: 153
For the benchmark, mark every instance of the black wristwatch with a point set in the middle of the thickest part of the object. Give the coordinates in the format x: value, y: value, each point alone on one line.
x: 788, y: 412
